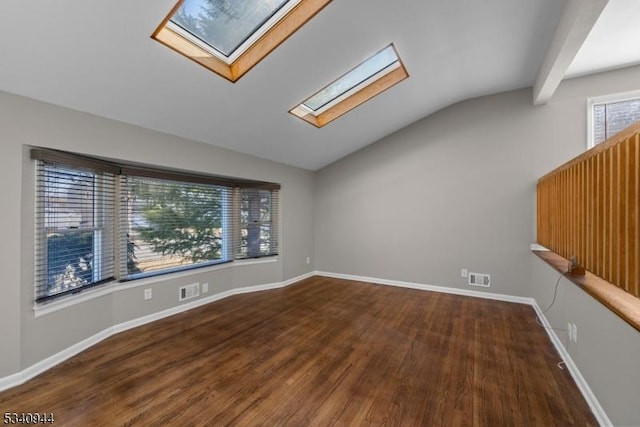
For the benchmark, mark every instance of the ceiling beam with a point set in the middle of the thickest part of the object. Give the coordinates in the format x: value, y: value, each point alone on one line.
x: 576, y: 22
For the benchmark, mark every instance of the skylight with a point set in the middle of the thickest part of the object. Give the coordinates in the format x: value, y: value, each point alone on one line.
x: 371, y: 77
x: 230, y: 37
x: 225, y: 25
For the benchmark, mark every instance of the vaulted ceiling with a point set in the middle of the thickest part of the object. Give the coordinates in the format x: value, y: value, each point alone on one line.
x: 97, y: 56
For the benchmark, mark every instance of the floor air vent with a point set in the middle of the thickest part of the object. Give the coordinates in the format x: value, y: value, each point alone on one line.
x: 189, y: 291
x: 477, y: 279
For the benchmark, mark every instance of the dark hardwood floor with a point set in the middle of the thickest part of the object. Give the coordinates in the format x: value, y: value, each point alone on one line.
x: 319, y: 353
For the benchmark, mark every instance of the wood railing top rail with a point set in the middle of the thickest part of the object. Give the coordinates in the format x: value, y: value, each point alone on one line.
x: 615, y: 139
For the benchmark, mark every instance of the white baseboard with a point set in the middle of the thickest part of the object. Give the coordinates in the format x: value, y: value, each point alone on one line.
x: 48, y: 363
x: 582, y: 384
x: 51, y: 361
x: 433, y: 288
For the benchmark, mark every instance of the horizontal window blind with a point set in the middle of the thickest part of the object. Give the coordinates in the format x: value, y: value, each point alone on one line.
x: 75, y: 215
x: 256, y: 222
x: 97, y: 220
x: 171, y: 225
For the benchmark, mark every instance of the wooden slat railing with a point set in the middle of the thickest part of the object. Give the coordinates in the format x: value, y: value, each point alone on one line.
x: 589, y: 208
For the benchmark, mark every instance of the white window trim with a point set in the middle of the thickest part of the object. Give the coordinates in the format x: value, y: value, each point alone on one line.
x: 605, y: 99
x: 66, y: 301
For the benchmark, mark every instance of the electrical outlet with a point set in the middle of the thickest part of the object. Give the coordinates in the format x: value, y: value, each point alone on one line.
x: 464, y: 272
x: 308, y: 260
x: 572, y: 331
x: 148, y: 294
x: 205, y: 288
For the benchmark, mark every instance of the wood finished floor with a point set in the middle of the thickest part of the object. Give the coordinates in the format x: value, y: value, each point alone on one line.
x: 319, y: 353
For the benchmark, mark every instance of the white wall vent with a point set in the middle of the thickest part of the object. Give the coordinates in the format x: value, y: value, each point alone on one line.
x: 477, y: 279
x: 189, y: 291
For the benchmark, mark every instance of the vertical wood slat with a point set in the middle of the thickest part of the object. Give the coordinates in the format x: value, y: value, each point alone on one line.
x: 588, y: 208
x: 615, y: 212
x: 587, y: 214
x: 592, y: 208
x: 598, y: 202
x: 635, y: 256
x: 563, y: 215
x: 572, y: 214
x: 583, y: 219
x: 620, y: 173
x: 630, y: 229
x: 608, y: 203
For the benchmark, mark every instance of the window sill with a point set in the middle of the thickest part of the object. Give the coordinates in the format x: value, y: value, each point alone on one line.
x: 622, y: 303
x: 67, y: 301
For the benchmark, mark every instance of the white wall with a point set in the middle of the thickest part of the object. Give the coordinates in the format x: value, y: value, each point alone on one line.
x: 457, y: 190
x: 24, y: 122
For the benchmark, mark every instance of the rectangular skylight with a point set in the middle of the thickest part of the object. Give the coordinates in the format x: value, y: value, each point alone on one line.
x: 230, y: 36
x: 371, y: 77
x: 225, y: 25
x: 375, y: 65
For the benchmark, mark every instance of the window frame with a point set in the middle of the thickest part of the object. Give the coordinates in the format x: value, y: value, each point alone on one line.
x: 118, y: 261
x: 604, y: 100
x: 102, y: 222
x: 249, y: 40
x: 365, y: 80
x: 268, y: 39
x: 240, y: 225
x: 124, y: 221
x: 354, y: 97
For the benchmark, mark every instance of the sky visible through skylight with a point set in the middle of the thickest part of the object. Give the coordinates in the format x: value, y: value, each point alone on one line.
x: 370, y: 67
x: 225, y: 24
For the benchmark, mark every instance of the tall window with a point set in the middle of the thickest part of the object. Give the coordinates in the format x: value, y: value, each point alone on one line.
x: 75, y: 213
x: 610, y: 114
x: 92, y: 228
x: 258, y: 225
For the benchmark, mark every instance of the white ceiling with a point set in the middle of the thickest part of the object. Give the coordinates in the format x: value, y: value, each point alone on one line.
x: 97, y: 56
x: 614, y: 41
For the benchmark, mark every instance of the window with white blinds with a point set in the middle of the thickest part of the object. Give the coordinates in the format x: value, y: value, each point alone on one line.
x: 99, y: 221
x: 75, y: 217
x: 258, y: 222
x: 173, y: 225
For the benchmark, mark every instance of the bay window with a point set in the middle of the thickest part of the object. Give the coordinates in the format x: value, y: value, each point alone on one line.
x: 99, y: 221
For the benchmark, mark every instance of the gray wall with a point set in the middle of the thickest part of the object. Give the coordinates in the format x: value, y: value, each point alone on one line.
x: 457, y: 190
x: 607, y: 350
x: 25, y: 122
x: 454, y: 190
x: 451, y: 191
